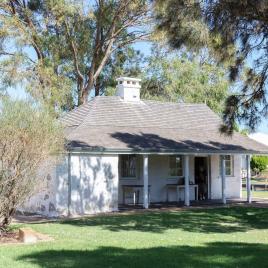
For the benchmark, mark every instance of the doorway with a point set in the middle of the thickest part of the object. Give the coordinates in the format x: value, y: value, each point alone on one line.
x: 201, y: 177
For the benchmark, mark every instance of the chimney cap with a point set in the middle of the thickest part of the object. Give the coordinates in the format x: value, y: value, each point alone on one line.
x: 125, y: 78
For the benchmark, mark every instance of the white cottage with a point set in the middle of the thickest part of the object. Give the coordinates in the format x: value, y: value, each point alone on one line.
x: 127, y: 151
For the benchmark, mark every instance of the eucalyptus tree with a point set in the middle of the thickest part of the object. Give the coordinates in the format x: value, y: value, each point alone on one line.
x: 185, y: 77
x: 60, y: 49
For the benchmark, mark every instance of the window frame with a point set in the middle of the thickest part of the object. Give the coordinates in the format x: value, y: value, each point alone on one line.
x: 170, y: 174
x: 129, y: 176
x: 231, y: 161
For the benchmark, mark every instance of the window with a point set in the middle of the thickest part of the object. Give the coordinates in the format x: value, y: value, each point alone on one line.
x: 229, y: 163
x: 128, y: 166
x: 175, y: 166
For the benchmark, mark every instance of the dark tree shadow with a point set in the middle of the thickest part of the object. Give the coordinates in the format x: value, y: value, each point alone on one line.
x: 220, y: 220
x: 219, y: 254
x: 140, y: 141
x: 71, y: 144
x: 150, y: 141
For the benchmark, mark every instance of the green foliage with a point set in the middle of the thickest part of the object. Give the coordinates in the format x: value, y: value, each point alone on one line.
x: 29, y: 136
x: 259, y: 163
x: 60, y: 51
x: 186, y: 78
x: 22, y: 118
x: 236, y: 33
x: 126, y: 62
x: 179, y: 22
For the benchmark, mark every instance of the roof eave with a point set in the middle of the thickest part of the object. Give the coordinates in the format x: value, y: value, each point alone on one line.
x: 95, y: 150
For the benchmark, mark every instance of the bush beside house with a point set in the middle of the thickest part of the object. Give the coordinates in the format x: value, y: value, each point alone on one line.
x: 259, y: 163
x: 28, y: 136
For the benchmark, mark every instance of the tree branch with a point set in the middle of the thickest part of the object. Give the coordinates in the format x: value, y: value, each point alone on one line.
x: 74, y: 49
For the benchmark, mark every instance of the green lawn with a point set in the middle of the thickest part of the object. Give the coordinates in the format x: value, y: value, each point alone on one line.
x: 256, y: 181
x: 223, y: 237
x: 256, y: 194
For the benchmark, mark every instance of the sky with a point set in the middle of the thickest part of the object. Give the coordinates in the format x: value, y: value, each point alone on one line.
x: 145, y: 48
x: 263, y: 128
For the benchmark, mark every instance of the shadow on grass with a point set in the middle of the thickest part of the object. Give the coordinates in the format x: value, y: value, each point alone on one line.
x: 220, y: 254
x: 221, y: 220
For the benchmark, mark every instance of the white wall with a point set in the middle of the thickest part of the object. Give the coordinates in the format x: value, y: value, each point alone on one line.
x: 94, y: 184
x: 233, y: 183
x: 44, y: 201
x: 94, y: 187
x: 97, y: 185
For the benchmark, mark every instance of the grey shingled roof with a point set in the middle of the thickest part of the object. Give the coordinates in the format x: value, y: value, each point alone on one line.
x: 113, y: 125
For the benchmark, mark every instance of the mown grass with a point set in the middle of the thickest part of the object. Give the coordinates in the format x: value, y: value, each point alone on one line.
x: 256, y: 181
x: 222, y: 237
x: 256, y: 194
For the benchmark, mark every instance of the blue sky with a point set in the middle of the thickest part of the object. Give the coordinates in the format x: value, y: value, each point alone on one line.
x: 264, y: 126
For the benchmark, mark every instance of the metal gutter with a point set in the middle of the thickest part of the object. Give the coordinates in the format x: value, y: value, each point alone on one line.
x: 103, y: 151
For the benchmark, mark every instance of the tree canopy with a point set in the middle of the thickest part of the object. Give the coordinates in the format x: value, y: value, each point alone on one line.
x: 62, y: 52
x: 66, y: 48
x: 186, y: 78
x: 236, y: 32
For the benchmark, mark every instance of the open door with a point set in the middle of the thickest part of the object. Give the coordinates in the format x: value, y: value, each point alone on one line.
x: 201, y: 177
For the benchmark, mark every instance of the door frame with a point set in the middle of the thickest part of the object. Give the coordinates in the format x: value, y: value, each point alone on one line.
x: 208, y: 166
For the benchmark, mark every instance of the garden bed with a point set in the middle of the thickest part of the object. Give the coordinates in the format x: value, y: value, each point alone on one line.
x: 11, y: 237
x: 21, y: 236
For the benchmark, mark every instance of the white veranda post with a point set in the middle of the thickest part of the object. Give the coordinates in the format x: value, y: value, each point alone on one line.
x: 248, y: 179
x: 223, y: 182
x: 145, y: 182
x: 186, y: 181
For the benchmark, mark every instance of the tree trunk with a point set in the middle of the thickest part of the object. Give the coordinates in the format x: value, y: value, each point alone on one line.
x: 7, y: 218
x: 80, y: 87
x: 86, y: 90
x: 97, y: 87
x: 90, y: 83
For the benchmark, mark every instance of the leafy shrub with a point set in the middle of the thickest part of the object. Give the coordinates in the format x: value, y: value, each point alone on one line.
x: 259, y: 163
x: 28, y: 137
